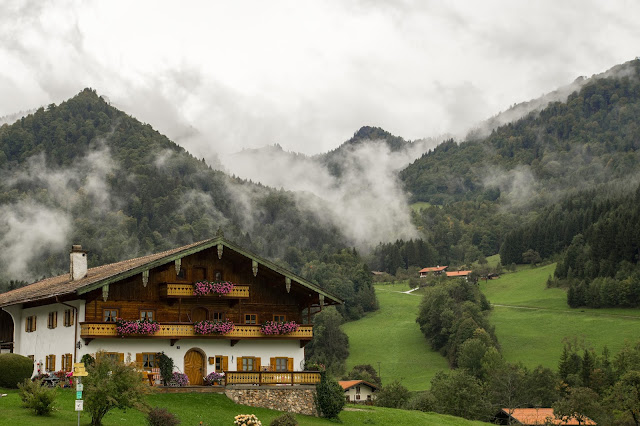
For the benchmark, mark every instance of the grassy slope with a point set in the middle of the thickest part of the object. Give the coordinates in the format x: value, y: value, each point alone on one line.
x: 392, y: 337
x: 535, y: 336
x: 211, y: 409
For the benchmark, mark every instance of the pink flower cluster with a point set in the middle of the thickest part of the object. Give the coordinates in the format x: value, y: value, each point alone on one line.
x: 178, y: 379
x: 203, y: 288
x: 273, y: 327
x: 136, y: 327
x: 212, y: 327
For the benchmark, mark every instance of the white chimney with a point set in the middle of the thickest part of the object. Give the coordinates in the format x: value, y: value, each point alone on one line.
x: 78, y: 263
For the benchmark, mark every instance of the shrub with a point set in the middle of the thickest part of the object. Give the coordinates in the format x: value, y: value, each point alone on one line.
x: 329, y: 397
x: 179, y: 379
x: 393, y: 395
x: 247, y: 420
x: 37, y: 397
x: 14, y: 369
x: 212, y: 378
x: 87, y: 360
x: 287, y: 419
x: 165, y: 363
x: 161, y: 417
x: 422, y: 401
x: 112, y: 384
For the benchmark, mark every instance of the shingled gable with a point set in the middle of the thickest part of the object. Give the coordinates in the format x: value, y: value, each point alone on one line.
x: 107, y: 274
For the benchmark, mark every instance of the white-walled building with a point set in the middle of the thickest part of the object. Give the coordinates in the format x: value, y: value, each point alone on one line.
x: 358, y: 391
x: 58, y: 320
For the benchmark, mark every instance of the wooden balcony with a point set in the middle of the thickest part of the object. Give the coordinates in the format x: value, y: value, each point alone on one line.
x: 180, y: 290
x: 177, y: 331
x: 272, y: 377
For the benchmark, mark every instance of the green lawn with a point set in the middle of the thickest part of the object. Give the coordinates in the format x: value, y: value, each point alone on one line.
x: 210, y: 409
x: 534, y: 320
x: 392, y: 337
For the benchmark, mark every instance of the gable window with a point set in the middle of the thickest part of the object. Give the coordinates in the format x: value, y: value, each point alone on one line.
x: 109, y: 315
x: 146, y: 315
x: 52, y: 321
x: 66, y: 362
x: 182, y: 274
x: 358, y: 389
x: 68, y: 317
x: 250, y: 318
x: 30, y: 324
x: 217, y: 275
x: 279, y: 318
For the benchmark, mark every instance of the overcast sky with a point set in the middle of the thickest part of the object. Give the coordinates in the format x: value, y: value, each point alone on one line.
x: 220, y: 76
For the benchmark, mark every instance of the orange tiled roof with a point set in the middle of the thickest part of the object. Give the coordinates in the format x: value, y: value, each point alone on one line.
x: 538, y: 416
x: 347, y: 384
x: 433, y: 269
x: 458, y: 273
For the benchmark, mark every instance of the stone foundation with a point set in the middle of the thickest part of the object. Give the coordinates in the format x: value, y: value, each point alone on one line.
x: 295, y: 399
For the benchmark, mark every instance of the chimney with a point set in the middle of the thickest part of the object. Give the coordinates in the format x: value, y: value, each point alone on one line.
x: 78, y: 263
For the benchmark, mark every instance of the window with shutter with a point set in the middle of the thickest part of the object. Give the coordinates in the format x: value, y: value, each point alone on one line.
x: 68, y: 317
x: 52, y: 321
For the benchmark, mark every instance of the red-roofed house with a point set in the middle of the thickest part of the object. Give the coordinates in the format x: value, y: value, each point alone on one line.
x: 459, y: 274
x: 358, y: 391
x: 434, y: 270
x: 534, y: 417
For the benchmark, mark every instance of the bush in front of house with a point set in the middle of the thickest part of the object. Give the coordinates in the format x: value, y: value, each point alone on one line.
x: 88, y: 360
x: 161, y: 417
x: 112, y: 384
x: 246, y: 420
x: 329, y: 397
x: 287, y: 419
x: 165, y: 363
x: 393, y: 395
x: 37, y: 397
x: 14, y: 369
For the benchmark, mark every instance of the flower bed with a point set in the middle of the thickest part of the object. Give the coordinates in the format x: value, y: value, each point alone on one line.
x: 273, y: 327
x: 247, y: 420
x: 178, y: 379
x: 212, y: 327
x: 203, y: 288
x: 136, y: 327
x: 213, y: 379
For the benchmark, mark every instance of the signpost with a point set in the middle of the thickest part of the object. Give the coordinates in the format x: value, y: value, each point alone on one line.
x: 79, y: 372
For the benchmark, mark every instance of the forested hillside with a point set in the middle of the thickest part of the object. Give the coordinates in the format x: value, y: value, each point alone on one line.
x: 83, y: 172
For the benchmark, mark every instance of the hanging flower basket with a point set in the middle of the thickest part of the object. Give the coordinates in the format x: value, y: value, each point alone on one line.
x: 141, y: 326
x: 213, y: 327
x: 274, y: 327
x: 202, y: 288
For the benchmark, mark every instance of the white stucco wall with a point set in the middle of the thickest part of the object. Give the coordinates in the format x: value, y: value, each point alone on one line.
x: 364, y: 392
x: 45, y: 341
x: 211, y: 347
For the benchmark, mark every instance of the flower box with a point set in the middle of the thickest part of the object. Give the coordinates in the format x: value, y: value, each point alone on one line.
x: 212, y: 327
x: 274, y: 327
x: 202, y: 288
x: 140, y: 326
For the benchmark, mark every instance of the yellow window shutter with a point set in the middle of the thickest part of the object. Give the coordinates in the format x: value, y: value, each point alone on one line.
x: 55, y: 319
x: 239, y: 363
x: 53, y: 363
x: 121, y: 357
x: 225, y: 363
x: 257, y: 364
x: 290, y: 364
x: 272, y: 363
x: 26, y: 324
x: 46, y: 362
x: 34, y: 322
x: 139, y: 360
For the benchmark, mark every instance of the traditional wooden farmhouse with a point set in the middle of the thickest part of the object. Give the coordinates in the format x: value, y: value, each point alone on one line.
x: 434, y: 270
x: 535, y: 417
x: 459, y: 274
x: 358, y: 391
x: 210, y: 306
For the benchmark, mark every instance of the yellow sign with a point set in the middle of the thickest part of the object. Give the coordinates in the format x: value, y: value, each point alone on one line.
x: 78, y: 370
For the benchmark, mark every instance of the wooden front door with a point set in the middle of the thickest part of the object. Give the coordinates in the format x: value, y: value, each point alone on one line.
x: 194, y: 366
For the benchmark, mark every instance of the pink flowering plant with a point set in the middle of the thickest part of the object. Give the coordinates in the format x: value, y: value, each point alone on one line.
x: 274, y: 327
x: 213, y: 327
x: 141, y: 326
x: 202, y: 288
x: 213, y: 378
x: 178, y: 379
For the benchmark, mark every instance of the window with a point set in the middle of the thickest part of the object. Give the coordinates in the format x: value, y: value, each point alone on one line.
x: 369, y: 397
x: 221, y: 363
x: 110, y: 315
x: 217, y: 316
x: 182, y: 275
x: 30, y: 324
x: 358, y: 389
x: 149, y: 361
x: 279, y: 318
x: 146, y: 315
x: 32, y: 357
x: 67, y: 362
x: 50, y: 363
x: 248, y: 364
x: 217, y: 275
x: 357, y: 396
x: 282, y: 364
x: 52, y: 321
x: 346, y: 397
x: 250, y: 318
x: 68, y: 317
x: 115, y: 356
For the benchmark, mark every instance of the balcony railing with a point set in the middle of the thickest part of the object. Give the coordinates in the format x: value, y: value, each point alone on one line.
x: 175, y: 290
x: 92, y: 330
x: 272, y: 377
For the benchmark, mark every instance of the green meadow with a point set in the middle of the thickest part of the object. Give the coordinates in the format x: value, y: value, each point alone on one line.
x: 210, y: 410
x: 391, y: 337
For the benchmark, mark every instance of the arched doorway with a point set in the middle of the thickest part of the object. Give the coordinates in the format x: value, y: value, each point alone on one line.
x: 6, y: 332
x: 194, y: 366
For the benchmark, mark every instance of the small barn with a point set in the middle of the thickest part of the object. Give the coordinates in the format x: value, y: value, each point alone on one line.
x: 535, y: 417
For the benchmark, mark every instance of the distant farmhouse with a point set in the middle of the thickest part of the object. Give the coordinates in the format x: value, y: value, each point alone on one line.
x: 459, y: 274
x: 358, y: 391
x: 434, y: 271
x: 535, y: 417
